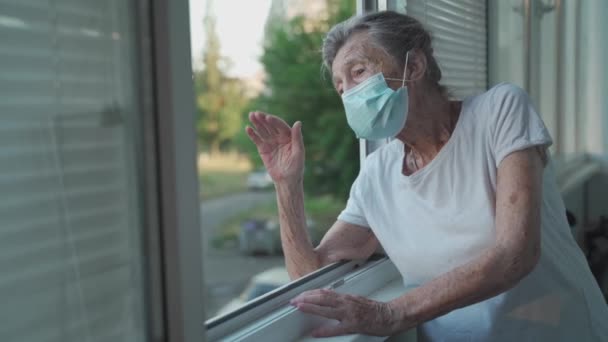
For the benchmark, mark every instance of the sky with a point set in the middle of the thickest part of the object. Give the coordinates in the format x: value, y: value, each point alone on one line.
x: 240, y: 27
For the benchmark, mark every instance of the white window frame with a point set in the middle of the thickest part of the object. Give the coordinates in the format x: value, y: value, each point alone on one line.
x: 174, y: 251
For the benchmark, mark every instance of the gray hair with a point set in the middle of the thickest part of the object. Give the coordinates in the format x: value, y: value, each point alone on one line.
x: 393, y: 32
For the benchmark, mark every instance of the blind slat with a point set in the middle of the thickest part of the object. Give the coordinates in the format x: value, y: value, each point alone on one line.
x: 459, y: 40
x: 67, y: 258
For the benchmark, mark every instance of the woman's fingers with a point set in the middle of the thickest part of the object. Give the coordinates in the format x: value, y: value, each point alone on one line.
x: 278, y: 125
x: 254, y: 136
x: 269, y: 124
x: 296, y: 136
x: 320, y: 310
x: 258, y: 121
x: 270, y: 127
x: 318, y: 297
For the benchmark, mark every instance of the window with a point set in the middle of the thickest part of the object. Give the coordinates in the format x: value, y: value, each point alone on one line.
x: 274, y: 66
x: 71, y: 218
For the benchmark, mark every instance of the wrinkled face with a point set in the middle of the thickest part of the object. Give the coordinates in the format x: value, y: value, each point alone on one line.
x: 359, y: 59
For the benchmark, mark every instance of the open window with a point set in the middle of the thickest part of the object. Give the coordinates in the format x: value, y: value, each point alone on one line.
x: 272, y: 66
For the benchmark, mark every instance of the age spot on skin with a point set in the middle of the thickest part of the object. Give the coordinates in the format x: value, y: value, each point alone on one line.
x: 513, y: 198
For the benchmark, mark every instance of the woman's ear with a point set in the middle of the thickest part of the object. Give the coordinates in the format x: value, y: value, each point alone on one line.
x: 417, y: 65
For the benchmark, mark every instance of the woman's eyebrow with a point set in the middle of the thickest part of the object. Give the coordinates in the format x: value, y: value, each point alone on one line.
x: 348, y: 63
x: 354, y: 60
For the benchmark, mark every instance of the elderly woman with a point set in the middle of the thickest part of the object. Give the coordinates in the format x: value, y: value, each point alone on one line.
x: 463, y: 201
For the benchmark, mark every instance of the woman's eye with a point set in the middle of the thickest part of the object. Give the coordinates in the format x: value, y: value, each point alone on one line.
x: 359, y: 72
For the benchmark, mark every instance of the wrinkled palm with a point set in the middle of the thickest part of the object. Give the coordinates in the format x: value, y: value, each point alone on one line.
x: 281, y: 147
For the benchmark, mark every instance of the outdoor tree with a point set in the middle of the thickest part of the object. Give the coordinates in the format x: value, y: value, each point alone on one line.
x: 220, y: 99
x: 296, y: 89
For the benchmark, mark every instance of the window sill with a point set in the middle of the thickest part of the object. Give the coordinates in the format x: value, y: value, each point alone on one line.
x: 375, y: 279
x: 386, y: 293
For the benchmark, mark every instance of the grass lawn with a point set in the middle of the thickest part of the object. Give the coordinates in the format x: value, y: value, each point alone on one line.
x: 323, y: 210
x: 220, y: 183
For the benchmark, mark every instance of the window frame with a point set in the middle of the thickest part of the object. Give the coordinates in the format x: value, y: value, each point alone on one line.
x: 173, y: 230
x: 148, y: 161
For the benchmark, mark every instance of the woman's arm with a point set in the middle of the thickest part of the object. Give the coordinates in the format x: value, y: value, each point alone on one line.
x: 282, y: 150
x: 343, y: 241
x: 514, y: 254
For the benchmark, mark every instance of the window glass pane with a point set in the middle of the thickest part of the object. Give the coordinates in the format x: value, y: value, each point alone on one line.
x: 271, y: 63
x: 70, y: 213
x: 396, y: 5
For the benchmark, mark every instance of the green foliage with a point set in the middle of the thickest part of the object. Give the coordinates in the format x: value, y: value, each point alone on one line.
x: 297, y: 91
x: 220, y: 100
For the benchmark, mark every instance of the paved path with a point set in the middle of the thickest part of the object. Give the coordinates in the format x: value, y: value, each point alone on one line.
x: 215, y: 211
x: 227, y: 271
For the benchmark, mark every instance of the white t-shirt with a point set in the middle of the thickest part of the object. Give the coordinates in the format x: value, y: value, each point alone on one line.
x: 442, y: 216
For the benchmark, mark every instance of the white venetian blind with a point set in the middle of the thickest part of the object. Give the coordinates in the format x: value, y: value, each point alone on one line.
x: 459, y: 33
x: 69, y: 222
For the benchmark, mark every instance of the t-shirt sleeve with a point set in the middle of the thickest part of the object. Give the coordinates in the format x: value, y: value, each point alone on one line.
x: 515, y: 125
x: 354, y: 212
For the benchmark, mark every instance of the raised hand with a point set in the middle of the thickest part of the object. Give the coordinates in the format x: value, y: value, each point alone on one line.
x: 281, y: 147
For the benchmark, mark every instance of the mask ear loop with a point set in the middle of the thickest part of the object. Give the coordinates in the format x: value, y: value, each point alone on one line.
x: 403, y: 80
x: 407, y: 55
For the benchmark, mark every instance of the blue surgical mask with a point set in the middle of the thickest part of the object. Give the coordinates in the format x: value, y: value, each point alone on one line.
x: 373, y: 110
